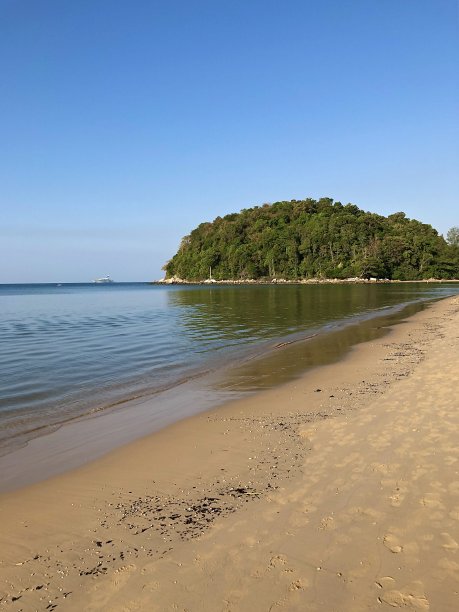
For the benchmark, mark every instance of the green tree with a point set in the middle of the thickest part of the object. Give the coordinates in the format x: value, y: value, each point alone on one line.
x: 313, y: 238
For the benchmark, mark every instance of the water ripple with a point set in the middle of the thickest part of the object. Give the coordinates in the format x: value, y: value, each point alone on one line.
x: 70, y: 351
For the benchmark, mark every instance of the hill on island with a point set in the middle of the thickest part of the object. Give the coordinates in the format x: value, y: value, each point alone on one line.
x: 313, y: 239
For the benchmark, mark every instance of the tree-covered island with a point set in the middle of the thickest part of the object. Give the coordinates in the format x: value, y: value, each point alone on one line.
x: 314, y: 239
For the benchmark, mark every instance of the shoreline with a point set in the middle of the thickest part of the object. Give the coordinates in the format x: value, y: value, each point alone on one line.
x: 67, y: 445
x: 304, y: 281
x: 299, y: 497
x: 81, y: 392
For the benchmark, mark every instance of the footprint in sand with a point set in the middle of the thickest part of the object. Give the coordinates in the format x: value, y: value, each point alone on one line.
x: 449, y: 543
x: 327, y: 523
x: 299, y: 585
x: 432, y: 500
x: 278, y: 561
x: 411, y: 597
x: 121, y: 575
x: 391, y: 542
x: 385, y: 582
x: 449, y: 566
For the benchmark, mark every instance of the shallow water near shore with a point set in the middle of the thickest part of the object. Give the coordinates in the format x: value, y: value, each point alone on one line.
x: 72, y: 350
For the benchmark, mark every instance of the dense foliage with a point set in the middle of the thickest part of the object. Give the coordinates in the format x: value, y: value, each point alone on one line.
x: 313, y: 238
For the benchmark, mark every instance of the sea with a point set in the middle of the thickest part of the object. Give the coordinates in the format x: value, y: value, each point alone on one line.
x: 72, y: 350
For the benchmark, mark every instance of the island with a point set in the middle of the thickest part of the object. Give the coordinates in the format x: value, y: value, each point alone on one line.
x: 314, y: 239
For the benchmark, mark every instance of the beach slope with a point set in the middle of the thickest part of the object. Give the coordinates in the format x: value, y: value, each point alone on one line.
x: 336, y: 492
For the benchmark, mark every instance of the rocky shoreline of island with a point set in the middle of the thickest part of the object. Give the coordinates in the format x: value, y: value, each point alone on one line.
x: 176, y: 280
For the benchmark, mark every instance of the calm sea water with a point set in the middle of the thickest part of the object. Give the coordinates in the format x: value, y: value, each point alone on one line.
x: 71, y: 349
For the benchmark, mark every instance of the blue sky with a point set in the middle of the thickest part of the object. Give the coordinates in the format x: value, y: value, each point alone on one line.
x: 124, y: 124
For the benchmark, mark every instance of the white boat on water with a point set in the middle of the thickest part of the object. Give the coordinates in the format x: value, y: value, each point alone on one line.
x: 103, y: 280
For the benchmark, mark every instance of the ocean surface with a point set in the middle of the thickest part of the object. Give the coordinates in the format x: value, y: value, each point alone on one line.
x: 72, y: 349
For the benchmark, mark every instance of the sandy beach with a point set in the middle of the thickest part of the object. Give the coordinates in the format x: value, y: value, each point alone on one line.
x: 336, y: 492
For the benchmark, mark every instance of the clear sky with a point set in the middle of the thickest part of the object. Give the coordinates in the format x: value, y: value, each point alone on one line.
x: 124, y: 124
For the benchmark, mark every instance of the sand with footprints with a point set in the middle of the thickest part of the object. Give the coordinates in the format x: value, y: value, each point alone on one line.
x: 336, y: 492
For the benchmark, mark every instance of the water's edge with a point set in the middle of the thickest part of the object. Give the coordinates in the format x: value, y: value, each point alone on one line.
x: 263, y: 350
x: 91, y: 436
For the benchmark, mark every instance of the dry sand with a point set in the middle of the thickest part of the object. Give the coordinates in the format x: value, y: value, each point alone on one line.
x: 337, y: 492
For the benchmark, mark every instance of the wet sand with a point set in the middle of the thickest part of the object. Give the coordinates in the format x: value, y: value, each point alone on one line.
x: 58, y: 449
x: 339, y: 491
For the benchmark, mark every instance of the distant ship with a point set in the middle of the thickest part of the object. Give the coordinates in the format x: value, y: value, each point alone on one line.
x: 103, y: 280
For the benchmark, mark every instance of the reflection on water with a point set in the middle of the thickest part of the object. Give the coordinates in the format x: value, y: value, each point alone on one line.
x: 287, y: 362
x: 232, y: 313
